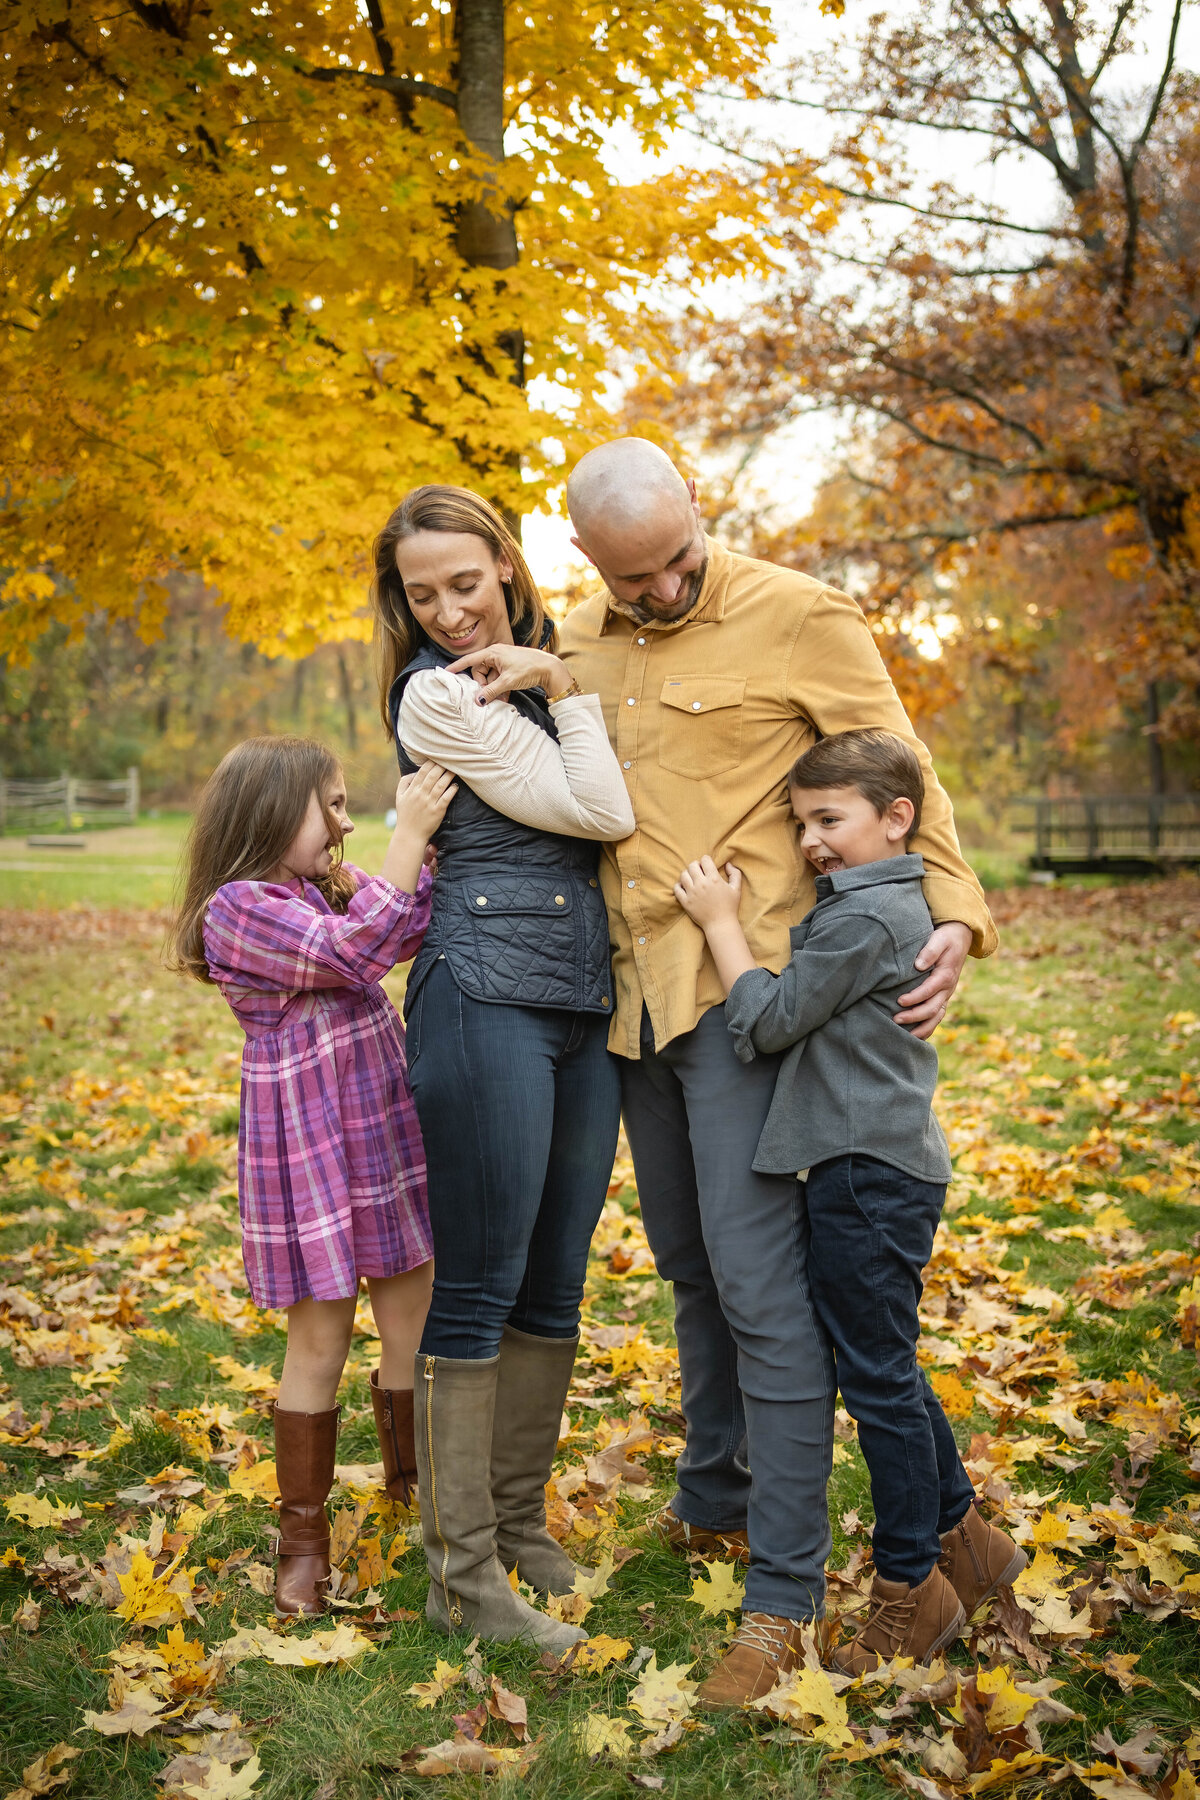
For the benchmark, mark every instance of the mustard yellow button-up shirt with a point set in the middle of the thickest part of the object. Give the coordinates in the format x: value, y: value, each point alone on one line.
x: 706, y: 715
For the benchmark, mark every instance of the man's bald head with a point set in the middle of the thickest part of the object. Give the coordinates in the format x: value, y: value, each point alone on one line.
x: 636, y: 519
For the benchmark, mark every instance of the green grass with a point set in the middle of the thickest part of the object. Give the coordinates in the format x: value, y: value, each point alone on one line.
x: 85, y: 992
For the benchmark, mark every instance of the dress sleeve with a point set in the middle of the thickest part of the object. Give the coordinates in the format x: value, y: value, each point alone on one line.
x: 838, y: 680
x: 835, y: 966
x: 264, y: 936
x: 574, y: 787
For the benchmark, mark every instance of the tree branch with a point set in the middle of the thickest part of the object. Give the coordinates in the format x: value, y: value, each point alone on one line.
x: 391, y: 84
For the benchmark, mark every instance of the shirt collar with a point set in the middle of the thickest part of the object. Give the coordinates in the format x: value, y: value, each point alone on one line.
x: 708, y: 609
x: 909, y: 867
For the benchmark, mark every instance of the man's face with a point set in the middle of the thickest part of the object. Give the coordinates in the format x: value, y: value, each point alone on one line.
x: 657, y: 567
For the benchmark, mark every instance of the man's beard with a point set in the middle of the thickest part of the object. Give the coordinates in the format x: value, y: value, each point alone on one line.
x: 682, y: 605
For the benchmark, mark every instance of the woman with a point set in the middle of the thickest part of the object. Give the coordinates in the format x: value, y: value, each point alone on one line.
x: 507, y: 1009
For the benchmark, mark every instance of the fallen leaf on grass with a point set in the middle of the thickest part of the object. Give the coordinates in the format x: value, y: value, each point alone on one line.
x: 41, y: 1509
x: 511, y: 1708
x: 462, y: 1755
x: 718, y: 1590
x: 600, y: 1735
x: 258, y: 1482
x: 808, y: 1695
x: 595, y: 1654
x: 46, y: 1772
x: 663, y: 1696
x: 140, y: 1711
x: 445, y: 1676
x: 344, y: 1644
x: 208, y: 1778
x: 28, y: 1616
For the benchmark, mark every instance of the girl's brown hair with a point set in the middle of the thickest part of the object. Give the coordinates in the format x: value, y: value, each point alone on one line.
x: 251, y: 808
x: 434, y: 508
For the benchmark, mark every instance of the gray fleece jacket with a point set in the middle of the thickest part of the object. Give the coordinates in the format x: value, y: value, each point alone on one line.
x: 851, y: 1080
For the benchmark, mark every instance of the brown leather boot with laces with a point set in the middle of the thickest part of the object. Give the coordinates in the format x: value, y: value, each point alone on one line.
x: 977, y: 1558
x: 765, y: 1647
x: 699, y: 1540
x: 903, y: 1621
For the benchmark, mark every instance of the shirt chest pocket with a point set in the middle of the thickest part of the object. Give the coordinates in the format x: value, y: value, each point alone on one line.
x: 701, y: 724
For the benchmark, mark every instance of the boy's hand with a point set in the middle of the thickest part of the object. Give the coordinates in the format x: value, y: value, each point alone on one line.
x: 706, y: 895
x: 422, y: 799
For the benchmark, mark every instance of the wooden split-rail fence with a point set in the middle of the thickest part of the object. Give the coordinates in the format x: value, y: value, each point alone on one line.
x: 1111, y: 833
x: 68, y: 802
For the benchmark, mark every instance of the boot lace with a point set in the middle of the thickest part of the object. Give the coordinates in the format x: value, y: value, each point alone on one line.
x: 890, y: 1620
x: 762, y: 1632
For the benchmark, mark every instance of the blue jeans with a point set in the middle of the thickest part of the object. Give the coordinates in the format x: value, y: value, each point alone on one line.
x: 872, y: 1235
x: 519, y: 1109
x: 757, y: 1374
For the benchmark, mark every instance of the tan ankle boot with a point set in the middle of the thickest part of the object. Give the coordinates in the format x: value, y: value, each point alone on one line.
x: 454, y: 1403
x: 531, y: 1390
x: 394, y: 1424
x: 765, y: 1647
x: 305, y: 1452
x: 977, y: 1558
x: 903, y: 1621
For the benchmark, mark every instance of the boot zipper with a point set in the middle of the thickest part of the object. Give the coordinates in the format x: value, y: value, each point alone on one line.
x: 453, y: 1607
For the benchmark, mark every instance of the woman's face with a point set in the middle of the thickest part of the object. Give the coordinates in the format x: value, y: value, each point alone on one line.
x: 452, y: 581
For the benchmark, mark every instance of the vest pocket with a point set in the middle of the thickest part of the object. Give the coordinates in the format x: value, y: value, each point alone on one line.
x: 700, y: 730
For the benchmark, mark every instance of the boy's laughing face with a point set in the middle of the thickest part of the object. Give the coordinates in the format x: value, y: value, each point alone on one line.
x: 840, y: 829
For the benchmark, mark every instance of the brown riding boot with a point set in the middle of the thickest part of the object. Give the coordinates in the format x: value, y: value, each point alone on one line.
x: 394, y: 1424
x: 764, y: 1647
x: 305, y: 1450
x: 903, y: 1621
x: 977, y: 1558
x: 699, y: 1540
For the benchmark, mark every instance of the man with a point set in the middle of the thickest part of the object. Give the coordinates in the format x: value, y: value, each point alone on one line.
x: 715, y: 673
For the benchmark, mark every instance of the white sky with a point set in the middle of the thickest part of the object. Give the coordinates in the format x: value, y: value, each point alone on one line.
x: 799, y: 459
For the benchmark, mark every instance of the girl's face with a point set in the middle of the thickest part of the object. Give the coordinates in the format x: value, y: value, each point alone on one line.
x: 310, y: 852
x: 453, y: 585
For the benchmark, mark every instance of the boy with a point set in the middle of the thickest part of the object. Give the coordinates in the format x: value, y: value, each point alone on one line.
x: 852, y: 1106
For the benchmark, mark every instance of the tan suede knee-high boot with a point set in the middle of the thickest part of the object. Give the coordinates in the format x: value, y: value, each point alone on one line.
x: 535, y: 1373
x: 454, y: 1403
x: 305, y: 1452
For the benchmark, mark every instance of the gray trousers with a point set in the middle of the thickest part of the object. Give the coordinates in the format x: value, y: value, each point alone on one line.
x: 757, y: 1370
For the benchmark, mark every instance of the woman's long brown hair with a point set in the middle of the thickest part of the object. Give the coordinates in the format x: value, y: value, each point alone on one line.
x: 251, y: 808
x: 434, y: 508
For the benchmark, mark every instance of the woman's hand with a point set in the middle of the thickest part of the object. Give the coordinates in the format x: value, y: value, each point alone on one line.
x: 422, y: 799
x: 502, y: 667
x: 706, y: 895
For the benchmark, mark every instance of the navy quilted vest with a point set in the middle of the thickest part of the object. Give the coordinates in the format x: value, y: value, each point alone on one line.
x: 517, y: 912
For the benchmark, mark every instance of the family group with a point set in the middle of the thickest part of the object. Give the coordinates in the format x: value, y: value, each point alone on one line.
x: 682, y: 860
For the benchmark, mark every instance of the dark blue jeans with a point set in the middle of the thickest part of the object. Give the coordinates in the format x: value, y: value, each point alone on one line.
x: 757, y: 1374
x: 872, y: 1235
x: 519, y: 1109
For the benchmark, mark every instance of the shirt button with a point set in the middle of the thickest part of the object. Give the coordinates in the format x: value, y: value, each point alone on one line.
x: 695, y: 706
x: 627, y: 765
x: 641, y: 940
x: 631, y: 884
x: 641, y: 640
x: 631, y: 701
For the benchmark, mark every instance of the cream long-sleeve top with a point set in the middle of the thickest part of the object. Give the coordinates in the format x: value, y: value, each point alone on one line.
x: 574, y: 786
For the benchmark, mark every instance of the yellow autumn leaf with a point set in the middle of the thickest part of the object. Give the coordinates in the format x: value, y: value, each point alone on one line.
x: 663, y: 1695
x: 445, y: 1676
x: 258, y: 1482
x: 597, y: 1653
x: 152, y: 1599
x: 345, y: 1643
x: 601, y: 1735
x: 808, y: 1694
x: 247, y: 1378
x: 41, y: 1509
x: 1008, y: 1703
x: 718, y: 1590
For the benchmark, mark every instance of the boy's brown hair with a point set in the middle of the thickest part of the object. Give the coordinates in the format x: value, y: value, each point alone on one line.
x: 878, y: 764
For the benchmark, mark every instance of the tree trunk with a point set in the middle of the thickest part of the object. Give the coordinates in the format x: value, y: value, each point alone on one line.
x: 487, y: 237
x: 1154, y: 749
x: 348, y: 700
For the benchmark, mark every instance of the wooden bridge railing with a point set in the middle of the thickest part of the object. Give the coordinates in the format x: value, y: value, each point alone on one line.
x: 1111, y: 830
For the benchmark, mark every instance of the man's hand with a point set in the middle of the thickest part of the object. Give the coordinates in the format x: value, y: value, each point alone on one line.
x: 944, y: 956
x: 706, y: 895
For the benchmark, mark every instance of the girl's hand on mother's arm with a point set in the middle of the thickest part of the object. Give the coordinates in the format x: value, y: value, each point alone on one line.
x: 502, y: 667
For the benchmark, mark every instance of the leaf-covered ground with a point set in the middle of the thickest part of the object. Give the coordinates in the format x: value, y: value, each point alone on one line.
x: 138, y: 1655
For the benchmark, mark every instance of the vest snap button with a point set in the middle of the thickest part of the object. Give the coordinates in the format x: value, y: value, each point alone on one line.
x: 592, y: 882
x: 481, y: 900
x: 604, y: 999
x: 558, y: 900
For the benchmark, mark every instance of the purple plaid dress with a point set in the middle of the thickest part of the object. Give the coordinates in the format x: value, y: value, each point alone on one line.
x: 331, y: 1169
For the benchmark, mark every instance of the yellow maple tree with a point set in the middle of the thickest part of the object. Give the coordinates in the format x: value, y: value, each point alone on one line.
x: 267, y: 267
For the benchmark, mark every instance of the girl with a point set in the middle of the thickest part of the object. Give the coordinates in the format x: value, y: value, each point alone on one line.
x: 331, y: 1173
